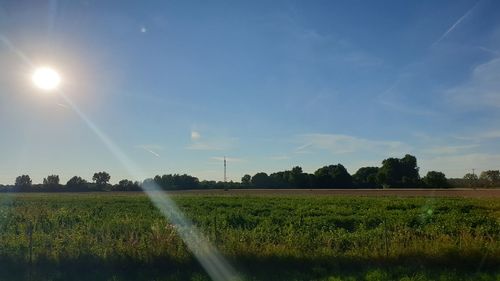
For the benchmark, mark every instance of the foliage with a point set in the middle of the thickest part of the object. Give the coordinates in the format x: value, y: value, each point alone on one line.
x: 333, y: 176
x: 23, y: 182
x: 176, y: 181
x: 101, y: 178
x: 491, y: 177
x: 366, y: 177
x: 246, y: 180
x: 52, y: 180
x: 435, y: 179
x: 397, y: 172
x: 127, y: 185
x: 76, y: 183
x: 123, y: 237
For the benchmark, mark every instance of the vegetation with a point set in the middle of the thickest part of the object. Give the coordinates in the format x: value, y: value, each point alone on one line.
x: 394, y: 172
x: 122, y: 237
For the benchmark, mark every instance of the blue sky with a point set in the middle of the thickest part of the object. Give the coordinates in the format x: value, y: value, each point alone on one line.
x: 270, y: 84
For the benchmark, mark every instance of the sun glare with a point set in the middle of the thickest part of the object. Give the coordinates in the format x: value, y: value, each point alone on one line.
x: 46, y: 78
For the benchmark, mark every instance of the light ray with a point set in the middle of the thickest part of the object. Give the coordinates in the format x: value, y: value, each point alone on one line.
x: 15, y: 50
x: 208, y: 256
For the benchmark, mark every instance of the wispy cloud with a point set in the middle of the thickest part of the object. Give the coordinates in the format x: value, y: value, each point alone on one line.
x: 339, y: 144
x: 449, y: 149
x: 482, y: 90
x: 397, y: 106
x: 391, y: 98
x: 481, y: 136
x: 454, y: 25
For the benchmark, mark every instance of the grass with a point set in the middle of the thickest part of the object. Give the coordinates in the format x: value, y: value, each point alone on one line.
x: 123, y: 237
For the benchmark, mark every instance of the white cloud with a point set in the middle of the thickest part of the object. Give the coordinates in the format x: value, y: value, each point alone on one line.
x: 195, y: 135
x: 339, y: 144
x: 481, y: 90
x: 448, y: 149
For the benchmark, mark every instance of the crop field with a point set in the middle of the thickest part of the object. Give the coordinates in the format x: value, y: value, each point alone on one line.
x: 119, y: 236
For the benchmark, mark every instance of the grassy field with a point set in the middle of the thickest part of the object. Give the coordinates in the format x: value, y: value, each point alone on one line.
x: 123, y: 237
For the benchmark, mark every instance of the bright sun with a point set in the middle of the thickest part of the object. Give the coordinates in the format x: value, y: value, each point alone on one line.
x: 46, y: 78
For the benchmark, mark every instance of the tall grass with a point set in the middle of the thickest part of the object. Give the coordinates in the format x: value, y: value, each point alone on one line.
x: 105, y: 236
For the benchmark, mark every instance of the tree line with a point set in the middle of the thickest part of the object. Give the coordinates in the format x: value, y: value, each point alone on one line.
x: 394, y: 172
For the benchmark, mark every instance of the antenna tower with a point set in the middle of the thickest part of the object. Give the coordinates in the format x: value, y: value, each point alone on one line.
x: 225, y: 178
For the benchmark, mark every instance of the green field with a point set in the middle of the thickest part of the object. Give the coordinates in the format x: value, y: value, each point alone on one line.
x: 123, y: 237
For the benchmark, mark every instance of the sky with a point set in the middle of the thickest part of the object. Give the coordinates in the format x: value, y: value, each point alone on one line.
x: 178, y: 85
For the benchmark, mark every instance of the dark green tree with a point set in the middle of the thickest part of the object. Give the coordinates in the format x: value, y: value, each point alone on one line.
x: 298, y: 179
x: 101, y: 178
x: 435, y: 179
x: 51, y: 181
x: 77, y: 183
x: 23, y: 182
x: 490, y: 177
x: 333, y: 176
x: 366, y: 177
x: 176, y: 181
x: 246, y: 180
x: 261, y: 180
x: 127, y: 185
x: 399, y: 172
x: 471, y: 179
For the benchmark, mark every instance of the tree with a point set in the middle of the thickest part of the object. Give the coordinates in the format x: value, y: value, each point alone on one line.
x: 246, y: 180
x: 399, y: 172
x: 76, y: 183
x: 366, y: 177
x: 297, y: 178
x: 176, y: 181
x: 127, y: 185
x: 333, y: 176
x: 472, y: 179
x: 435, y: 179
x: 52, y: 180
x: 23, y: 182
x: 491, y: 177
x: 101, y: 178
x: 261, y: 180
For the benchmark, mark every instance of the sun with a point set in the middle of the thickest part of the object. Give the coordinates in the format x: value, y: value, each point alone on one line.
x: 46, y: 78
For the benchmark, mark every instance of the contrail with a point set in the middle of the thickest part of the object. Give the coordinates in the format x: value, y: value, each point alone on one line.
x: 457, y: 23
x: 209, y: 257
x: 151, y: 151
